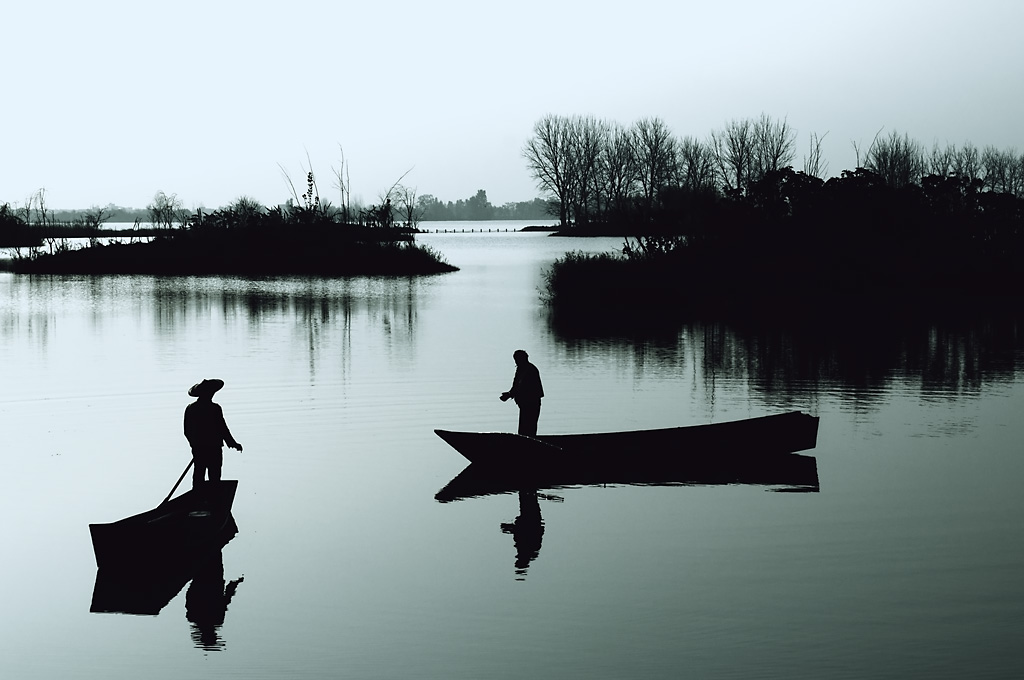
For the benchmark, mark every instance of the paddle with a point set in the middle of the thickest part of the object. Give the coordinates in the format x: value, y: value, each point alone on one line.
x: 175, y: 487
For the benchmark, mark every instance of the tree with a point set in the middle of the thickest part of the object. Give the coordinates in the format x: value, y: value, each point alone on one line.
x: 733, y: 149
x: 899, y: 161
x: 95, y: 217
x: 478, y: 207
x: 774, y: 142
x: 1002, y: 171
x: 617, y: 169
x: 548, y: 156
x: 409, y: 209
x: 815, y: 164
x: 165, y: 210
x: 588, y: 136
x: 655, y: 158
x: 695, y: 165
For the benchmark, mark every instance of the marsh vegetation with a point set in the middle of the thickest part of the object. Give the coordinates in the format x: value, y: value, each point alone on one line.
x: 303, y: 236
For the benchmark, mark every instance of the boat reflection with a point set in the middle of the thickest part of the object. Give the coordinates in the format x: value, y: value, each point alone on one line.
x: 786, y: 472
x: 147, y: 593
x: 780, y: 472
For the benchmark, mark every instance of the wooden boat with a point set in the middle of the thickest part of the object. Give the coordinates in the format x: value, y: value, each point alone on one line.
x: 170, y: 537
x: 741, y: 439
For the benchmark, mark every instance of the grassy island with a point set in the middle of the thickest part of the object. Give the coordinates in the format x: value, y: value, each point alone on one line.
x: 247, y: 239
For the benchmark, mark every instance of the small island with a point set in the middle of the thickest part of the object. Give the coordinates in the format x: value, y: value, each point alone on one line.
x: 245, y: 238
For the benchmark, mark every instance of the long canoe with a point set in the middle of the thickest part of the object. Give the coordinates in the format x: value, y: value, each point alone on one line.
x: 739, y: 439
x: 172, y: 535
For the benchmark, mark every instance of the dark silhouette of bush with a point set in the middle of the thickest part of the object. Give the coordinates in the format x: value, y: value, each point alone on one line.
x: 14, y: 232
x: 790, y: 236
x: 247, y: 239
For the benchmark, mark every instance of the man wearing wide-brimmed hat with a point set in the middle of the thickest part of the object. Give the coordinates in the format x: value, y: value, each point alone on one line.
x: 207, y: 431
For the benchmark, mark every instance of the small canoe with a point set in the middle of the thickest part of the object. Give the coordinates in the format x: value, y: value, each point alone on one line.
x: 751, y: 438
x: 171, y: 536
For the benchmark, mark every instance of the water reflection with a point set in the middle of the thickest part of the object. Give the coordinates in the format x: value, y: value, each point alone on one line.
x: 206, y: 603
x: 527, y: 531
x: 146, y: 594
x: 116, y: 592
x: 783, y: 473
x: 176, y: 306
x: 861, y: 357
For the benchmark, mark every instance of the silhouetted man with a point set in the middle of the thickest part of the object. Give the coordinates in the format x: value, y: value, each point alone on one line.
x: 527, y: 392
x: 207, y: 431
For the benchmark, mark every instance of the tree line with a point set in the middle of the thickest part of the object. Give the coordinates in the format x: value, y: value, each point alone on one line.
x: 479, y: 208
x: 600, y: 174
x: 727, y: 219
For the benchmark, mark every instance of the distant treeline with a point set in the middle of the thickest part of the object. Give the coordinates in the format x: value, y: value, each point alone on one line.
x: 478, y: 208
x: 429, y: 207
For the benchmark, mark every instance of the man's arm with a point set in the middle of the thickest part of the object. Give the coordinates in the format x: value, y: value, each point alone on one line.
x: 228, y: 439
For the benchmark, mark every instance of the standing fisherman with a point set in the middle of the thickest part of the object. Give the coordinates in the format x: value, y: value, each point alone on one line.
x: 207, y: 431
x: 527, y: 392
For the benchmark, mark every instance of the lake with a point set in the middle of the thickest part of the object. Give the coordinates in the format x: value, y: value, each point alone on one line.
x: 905, y: 563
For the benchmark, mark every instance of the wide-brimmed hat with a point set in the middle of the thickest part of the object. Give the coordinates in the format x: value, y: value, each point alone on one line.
x: 208, y: 386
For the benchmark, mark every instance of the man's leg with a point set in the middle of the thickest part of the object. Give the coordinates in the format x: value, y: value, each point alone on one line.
x: 198, y: 469
x: 529, y: 414
x: 214, y: 463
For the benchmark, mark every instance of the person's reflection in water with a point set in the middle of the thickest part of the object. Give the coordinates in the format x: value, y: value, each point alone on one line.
x: 527, y: 531
x: 206, y: 603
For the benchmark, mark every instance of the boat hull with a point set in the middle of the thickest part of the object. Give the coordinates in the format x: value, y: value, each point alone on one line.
x: 171, y: 536
x: 742, y: 439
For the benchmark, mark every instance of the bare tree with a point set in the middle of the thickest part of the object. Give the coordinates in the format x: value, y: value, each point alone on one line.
x: 655, y: 157
x: 587, y: 138
x: 966, y: 163
x: 899, y: 161
x: 695, y: 164
x: 618, y: 167
x: 95, y: 217
x: 166, y: 210
x: 548, y: 156
x: 774, y: 144
x: 940, y: 160
x: 815, y: 164
x: 1001, y: 170
x: 733, y: 147
x: 408, y: 210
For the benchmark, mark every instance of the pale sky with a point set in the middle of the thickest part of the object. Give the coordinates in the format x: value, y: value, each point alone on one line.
x: 111, y: 101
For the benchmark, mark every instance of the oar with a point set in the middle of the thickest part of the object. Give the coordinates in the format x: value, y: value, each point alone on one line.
x: 175, y: 488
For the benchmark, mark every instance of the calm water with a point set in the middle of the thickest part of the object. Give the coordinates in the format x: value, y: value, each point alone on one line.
x: 906, y: 564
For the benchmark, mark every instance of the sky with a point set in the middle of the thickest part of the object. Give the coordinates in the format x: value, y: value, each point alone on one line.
x: 109, y: 102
